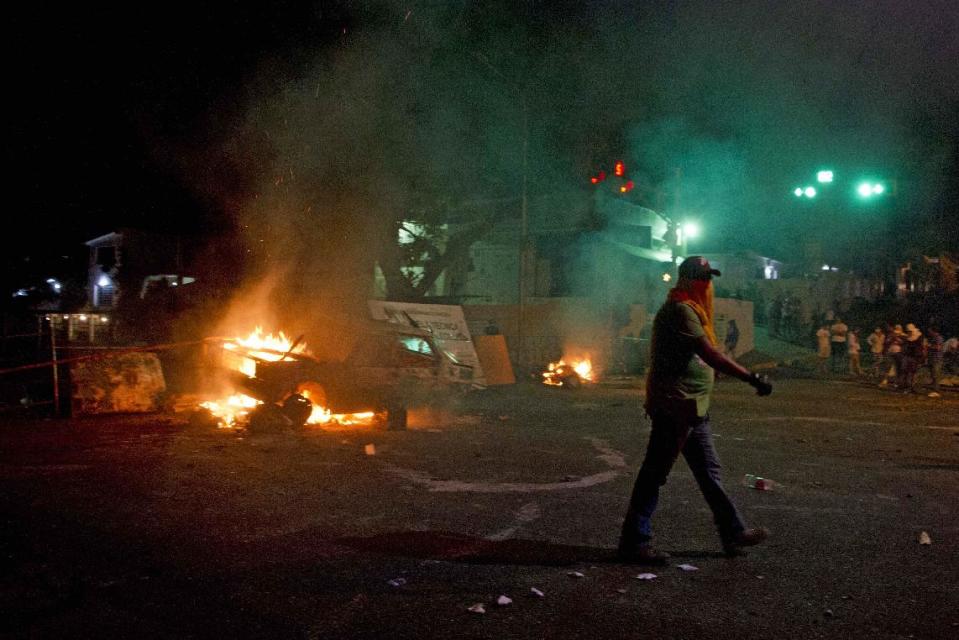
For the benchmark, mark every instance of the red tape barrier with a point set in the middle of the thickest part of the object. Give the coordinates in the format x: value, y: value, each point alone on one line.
x: 98, y: 356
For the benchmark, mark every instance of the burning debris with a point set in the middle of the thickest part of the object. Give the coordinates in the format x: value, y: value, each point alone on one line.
x: 276, y: 382
x: 570, y: 374
x: 303, y: 405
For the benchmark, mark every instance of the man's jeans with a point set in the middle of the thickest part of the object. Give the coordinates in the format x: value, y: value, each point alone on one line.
x: 670, y: 436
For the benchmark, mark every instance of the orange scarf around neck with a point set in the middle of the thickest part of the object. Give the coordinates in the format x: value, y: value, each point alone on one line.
x: 698, y: 294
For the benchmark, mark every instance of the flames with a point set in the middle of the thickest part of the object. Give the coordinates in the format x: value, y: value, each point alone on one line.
x: 265, y: 347
x: 571, y: 373
x: 234, y: 411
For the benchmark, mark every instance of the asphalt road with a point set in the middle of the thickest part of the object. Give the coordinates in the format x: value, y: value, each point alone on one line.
x: 145, y: 527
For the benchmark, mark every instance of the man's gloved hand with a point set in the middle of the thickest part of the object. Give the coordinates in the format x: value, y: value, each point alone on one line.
x: 761, y: 384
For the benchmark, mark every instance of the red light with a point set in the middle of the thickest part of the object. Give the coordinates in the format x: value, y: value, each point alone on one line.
x: 594, y: 180
x: 619, y: 169
x: 627, y: 187
x: 602, y: 176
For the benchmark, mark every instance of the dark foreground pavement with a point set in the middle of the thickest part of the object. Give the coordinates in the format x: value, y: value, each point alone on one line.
x: 144, y: 527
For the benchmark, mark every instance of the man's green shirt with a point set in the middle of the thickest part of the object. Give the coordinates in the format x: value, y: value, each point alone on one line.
x: 679, y: 380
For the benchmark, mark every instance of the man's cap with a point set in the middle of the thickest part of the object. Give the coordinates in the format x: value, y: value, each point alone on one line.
x: 697, y: 268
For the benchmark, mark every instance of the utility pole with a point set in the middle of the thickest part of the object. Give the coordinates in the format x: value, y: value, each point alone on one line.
x: 56, y: 368
x: 523, y: 244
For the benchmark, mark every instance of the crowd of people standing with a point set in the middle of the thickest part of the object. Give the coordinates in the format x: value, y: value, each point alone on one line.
x: 897, y: 355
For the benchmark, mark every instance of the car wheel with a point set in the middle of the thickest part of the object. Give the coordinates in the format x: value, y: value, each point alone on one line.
x: 314, y: 392
x: 297, y: 409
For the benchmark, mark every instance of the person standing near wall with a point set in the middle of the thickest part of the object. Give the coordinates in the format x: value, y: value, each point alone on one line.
x: 852, y: 349
x: 876, y: 342
x: 893, y: 355
x: 837, y: 338
x: 732, y: 338
x: 913, y: 355
x: 934, y: 358
x: 950, y: 355
x: 823, y: 351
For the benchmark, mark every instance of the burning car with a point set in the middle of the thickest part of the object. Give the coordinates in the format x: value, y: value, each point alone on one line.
x: 388, y: 369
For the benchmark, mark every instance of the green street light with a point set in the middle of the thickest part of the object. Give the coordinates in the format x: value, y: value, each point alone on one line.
x: 810, y: 192
x: 870, y: 189
x: 690, y: 230
x: 825, y: 176
x: 798, y: 192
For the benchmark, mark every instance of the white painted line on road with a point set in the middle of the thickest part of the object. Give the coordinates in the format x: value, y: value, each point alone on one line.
x: 450, y: 486
x: 610, y: 456
x: 526, y: 514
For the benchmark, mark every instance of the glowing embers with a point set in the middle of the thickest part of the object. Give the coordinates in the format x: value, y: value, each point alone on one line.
x: 232, y: 410
x: 569, y: 374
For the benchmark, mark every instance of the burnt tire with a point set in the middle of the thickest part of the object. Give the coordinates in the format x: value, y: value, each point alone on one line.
x: 268, y: 418
x: 297, y: 409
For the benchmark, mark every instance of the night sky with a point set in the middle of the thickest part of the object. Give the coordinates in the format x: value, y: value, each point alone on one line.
x: 180, y: 118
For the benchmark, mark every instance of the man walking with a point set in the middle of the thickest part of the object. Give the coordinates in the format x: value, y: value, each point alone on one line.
x: 683, y: 357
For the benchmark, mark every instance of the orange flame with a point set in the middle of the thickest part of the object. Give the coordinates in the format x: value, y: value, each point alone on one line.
x: 265, y: 347
x: 559, y: 371
x: 232, y: 411
x: 229, y: 411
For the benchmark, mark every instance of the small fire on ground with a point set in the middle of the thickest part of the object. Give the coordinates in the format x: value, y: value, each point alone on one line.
x: 234, y: 411
x: 569, y: 372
